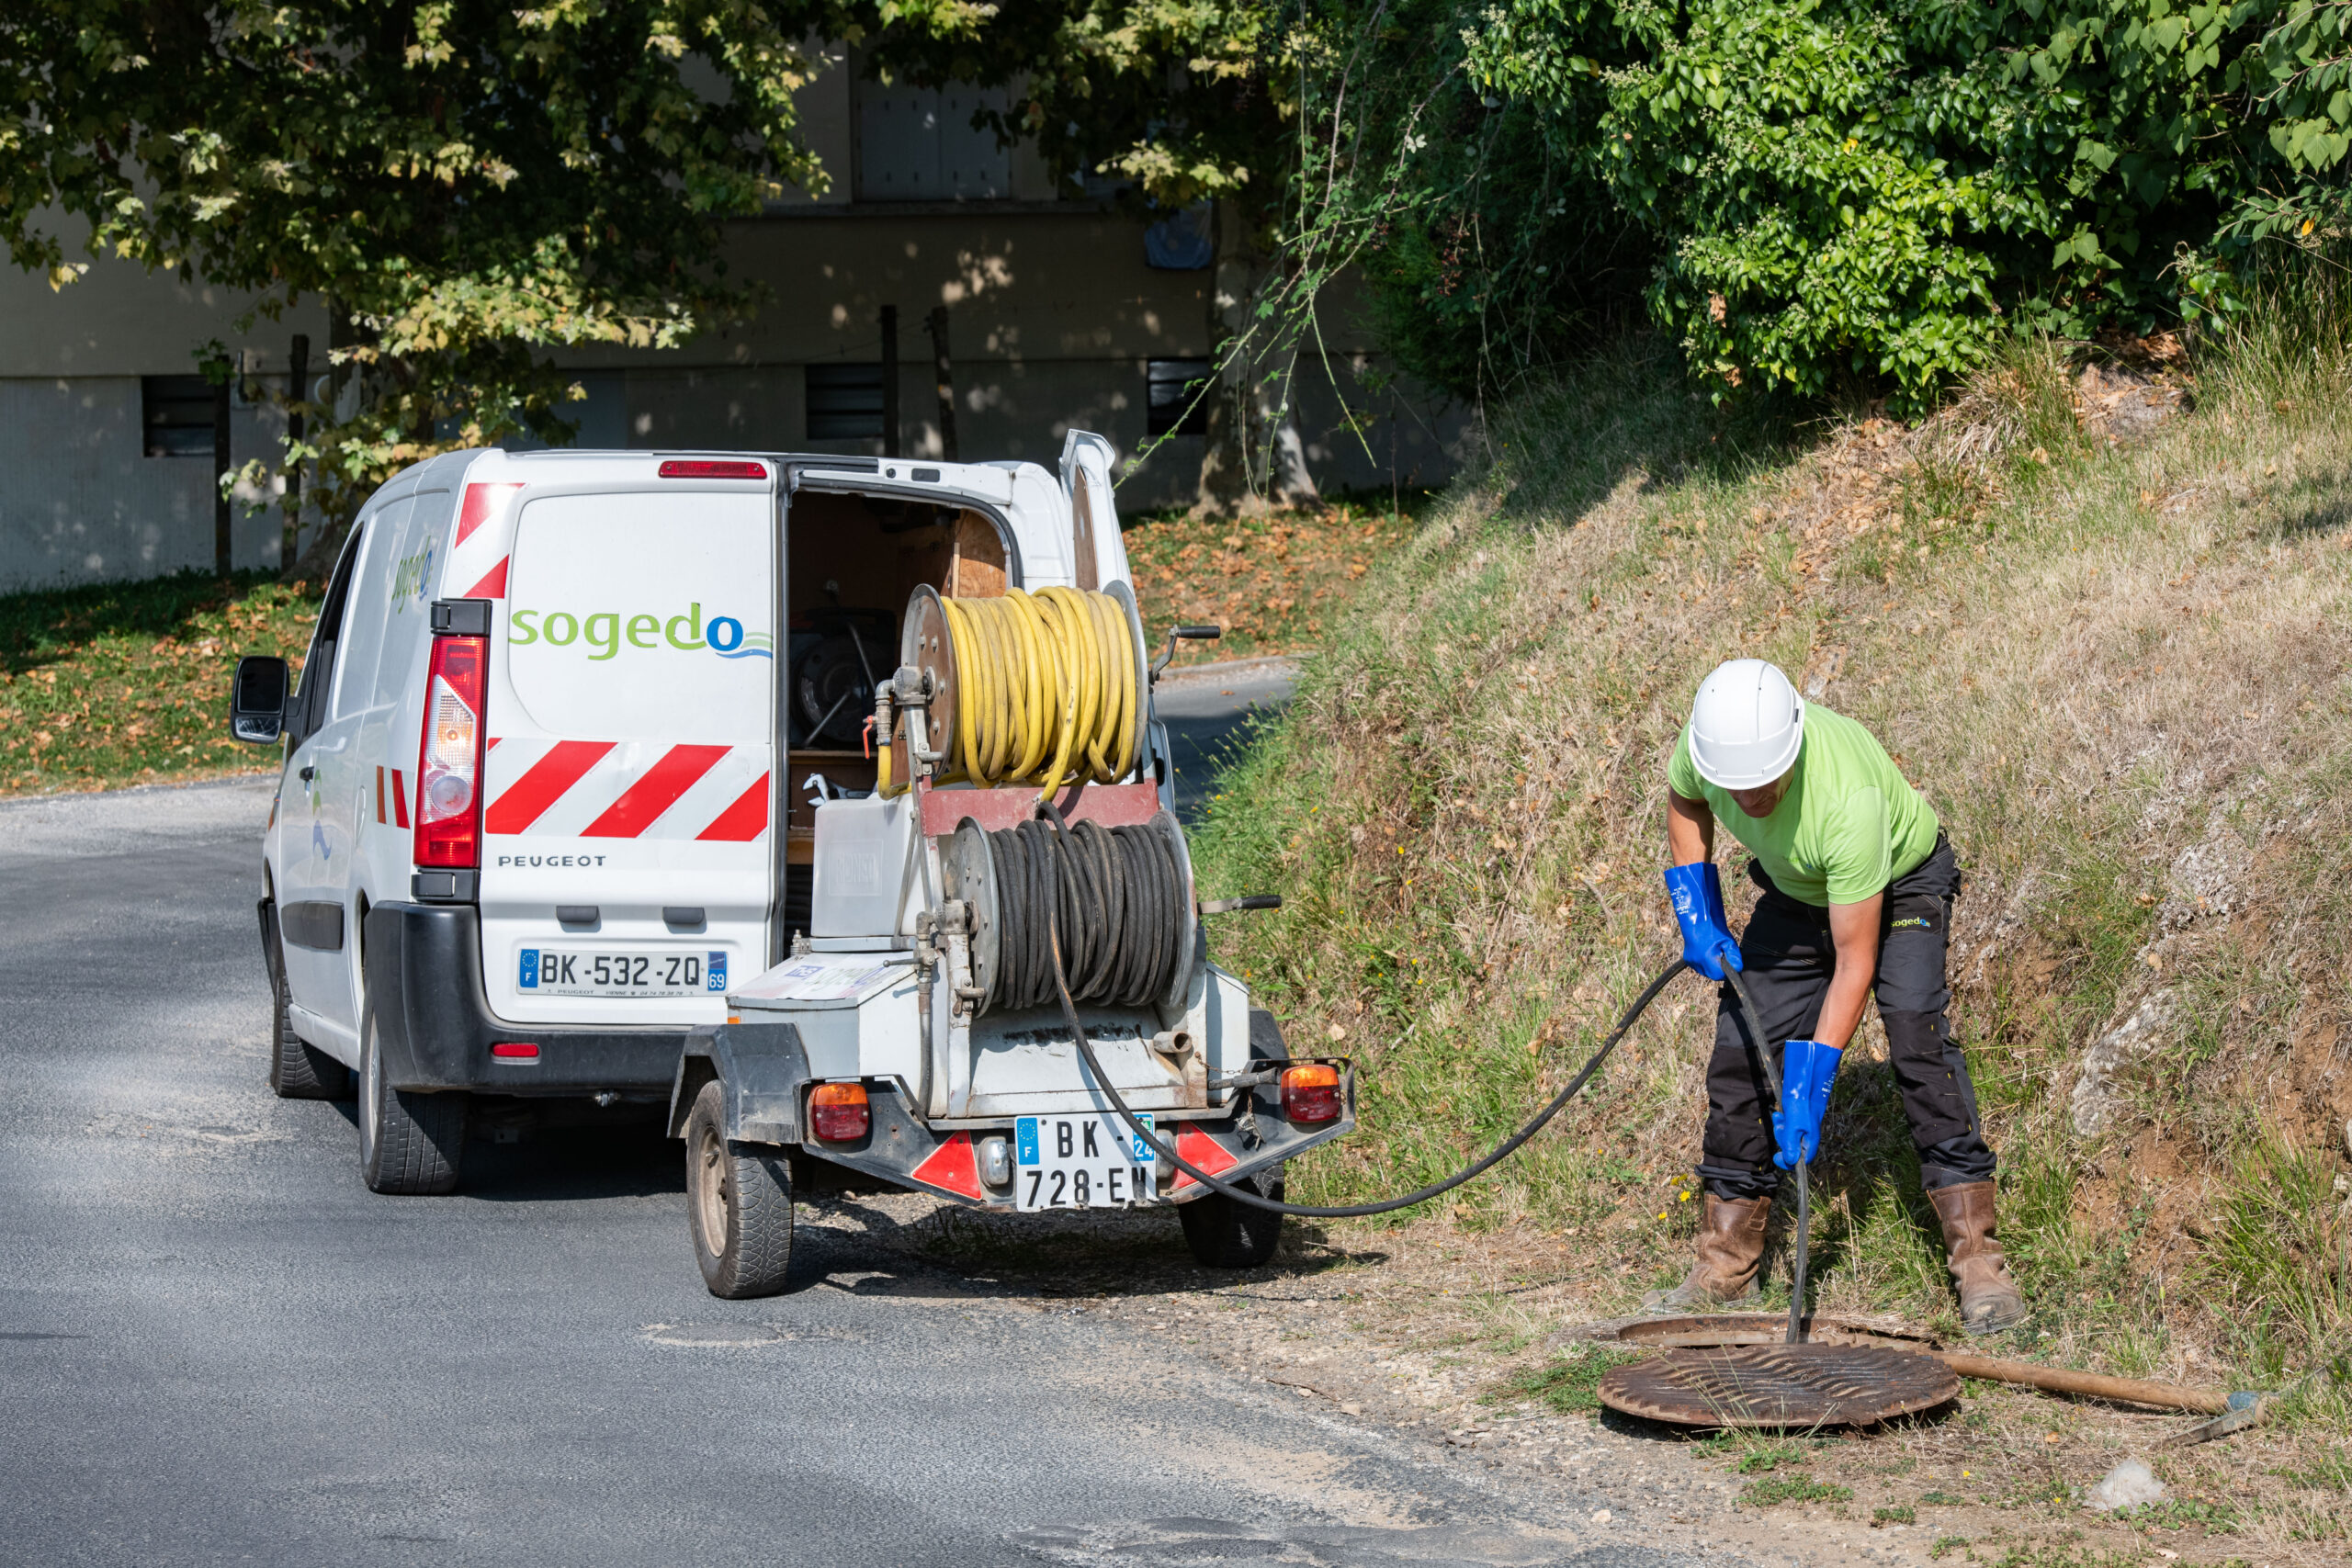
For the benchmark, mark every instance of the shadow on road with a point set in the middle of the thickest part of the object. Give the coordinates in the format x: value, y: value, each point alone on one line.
x: 889, y: 1243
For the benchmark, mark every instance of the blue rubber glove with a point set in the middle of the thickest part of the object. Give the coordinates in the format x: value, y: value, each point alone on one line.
x: 1697, y: 892
x: 1808, y: 1072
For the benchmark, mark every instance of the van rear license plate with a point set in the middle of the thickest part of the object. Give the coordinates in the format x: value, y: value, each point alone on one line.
x: 550, y: 972
x: 1081, y: 1162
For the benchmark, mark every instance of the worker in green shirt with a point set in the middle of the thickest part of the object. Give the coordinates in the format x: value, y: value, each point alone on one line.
x: 1858, y: 885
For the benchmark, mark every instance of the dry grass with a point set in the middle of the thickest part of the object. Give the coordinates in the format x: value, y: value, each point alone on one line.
x: 2118, y: 670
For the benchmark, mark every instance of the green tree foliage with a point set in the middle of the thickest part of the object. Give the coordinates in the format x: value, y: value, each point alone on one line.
x: 1850, y: 195
x: 1854, y: 193
x: 1189, y: 101
x: 471, y: 184
x: 2305, y: 74
x: 1496, y: 244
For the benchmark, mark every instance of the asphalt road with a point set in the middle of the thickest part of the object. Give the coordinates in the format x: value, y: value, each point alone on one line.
x: 217, y: 1347
x: 1208, y: 709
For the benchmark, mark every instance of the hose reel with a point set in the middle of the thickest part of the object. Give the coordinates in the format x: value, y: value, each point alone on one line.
x: 1047, y: 688
x: 1122, y: 906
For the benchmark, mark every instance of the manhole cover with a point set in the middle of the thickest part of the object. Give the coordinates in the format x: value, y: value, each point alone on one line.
x: 1779, y: 1385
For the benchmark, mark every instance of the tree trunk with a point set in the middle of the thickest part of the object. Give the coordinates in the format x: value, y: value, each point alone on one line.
x: 1225, y: 485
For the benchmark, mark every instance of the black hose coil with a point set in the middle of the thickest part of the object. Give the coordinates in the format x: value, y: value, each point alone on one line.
x: 1116, y: 894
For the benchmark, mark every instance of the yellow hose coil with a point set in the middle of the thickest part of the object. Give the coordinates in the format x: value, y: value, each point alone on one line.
x: 1048, y: 688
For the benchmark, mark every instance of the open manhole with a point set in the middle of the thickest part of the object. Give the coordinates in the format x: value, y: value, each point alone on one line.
x: 1732, y: 1370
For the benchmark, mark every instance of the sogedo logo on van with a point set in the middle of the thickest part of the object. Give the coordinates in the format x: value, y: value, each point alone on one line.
x: 601, y: 634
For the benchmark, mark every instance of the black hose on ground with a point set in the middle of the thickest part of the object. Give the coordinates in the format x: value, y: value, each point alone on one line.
x: 1167, y: 1151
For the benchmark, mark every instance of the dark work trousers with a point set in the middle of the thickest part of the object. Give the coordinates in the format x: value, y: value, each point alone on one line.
x: 1790, y: 957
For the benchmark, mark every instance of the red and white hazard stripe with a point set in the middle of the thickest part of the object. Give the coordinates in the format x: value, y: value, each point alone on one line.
x: 478, y: 555
x: 396, y: 794
x: 627, y: 789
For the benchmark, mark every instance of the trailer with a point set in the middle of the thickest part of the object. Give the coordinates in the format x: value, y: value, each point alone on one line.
x: 981, y: 791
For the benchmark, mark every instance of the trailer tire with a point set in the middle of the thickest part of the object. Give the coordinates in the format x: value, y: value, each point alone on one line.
x: 1227, y: 1235
x: 739, y: 1204
x: 410, y: 1145
x: 297, y: 1069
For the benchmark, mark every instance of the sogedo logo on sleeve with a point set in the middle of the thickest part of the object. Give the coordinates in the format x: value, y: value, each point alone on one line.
x: 604, y: 634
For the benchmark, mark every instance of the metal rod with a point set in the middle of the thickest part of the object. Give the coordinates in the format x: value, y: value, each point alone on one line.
x: 1797, y: 1271
x: 944, y: 375
x: 890, y: 380
x: 2058, y: 1379
x: 1762, y: 1330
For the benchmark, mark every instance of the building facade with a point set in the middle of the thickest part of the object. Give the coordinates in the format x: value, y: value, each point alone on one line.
x: 1059, y: 313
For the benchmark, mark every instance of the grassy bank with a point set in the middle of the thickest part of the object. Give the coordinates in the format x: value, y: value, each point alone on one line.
x: 2109, y: 646
x: 128, y: 683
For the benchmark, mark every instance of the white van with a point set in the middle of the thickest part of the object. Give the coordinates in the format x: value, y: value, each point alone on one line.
x: 556, y: 772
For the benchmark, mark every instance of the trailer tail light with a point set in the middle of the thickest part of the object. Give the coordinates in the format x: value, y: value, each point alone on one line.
x: 837, y: 1113
x: 448, y: 763
x: 515, y: 1051
x: 1311, y: 1093
x: 706, y: 469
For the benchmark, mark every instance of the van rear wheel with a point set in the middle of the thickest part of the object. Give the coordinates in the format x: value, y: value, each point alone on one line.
x: 739, y: 1204
x: 410, y: 1145
x: 1227, y: 1235
x: 297, y: 1069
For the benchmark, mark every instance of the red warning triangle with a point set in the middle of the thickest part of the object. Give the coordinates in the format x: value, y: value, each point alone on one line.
x: 952, y: 1168
x: 1200, y: 1150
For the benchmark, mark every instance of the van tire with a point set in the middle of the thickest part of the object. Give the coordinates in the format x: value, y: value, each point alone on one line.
x: 739, y: 1204
x: 410, y: 1145
x: 1227, y: 1235
x: 297, y: 1069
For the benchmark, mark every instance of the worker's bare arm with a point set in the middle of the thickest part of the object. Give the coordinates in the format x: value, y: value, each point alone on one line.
x: 1690, y: 828
x: 1853, y: 930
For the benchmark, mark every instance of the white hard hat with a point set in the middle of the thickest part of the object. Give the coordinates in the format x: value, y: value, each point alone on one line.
x: 1747, y: 725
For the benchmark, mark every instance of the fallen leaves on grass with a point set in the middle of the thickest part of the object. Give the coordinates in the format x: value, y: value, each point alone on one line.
x: 121, y: 684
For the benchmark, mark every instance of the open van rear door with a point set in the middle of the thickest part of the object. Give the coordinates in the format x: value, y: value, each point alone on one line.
x: 1099, y: 554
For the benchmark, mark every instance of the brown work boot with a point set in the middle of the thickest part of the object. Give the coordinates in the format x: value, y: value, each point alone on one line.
x: 1730, y: 1244
x: 1989, y: 1299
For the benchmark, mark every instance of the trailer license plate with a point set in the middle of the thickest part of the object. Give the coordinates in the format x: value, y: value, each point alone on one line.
x: 1081, y: 1162
x: 550, y: 972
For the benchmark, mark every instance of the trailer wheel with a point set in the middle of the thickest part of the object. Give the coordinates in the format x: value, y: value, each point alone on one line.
x: 297, y: 1069
x: 1227, y: 1235
x: 739, y: 1204
x: 410, y: 1145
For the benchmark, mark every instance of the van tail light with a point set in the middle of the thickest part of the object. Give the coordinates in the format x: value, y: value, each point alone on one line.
x: 837, y: 1113
x: 1311, y: 1092
x: 448, y: 763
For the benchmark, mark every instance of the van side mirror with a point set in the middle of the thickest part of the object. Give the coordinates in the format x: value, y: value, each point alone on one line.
x: 258, y: 699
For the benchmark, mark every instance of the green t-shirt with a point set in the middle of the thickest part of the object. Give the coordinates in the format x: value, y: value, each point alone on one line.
x: 1849, y: 823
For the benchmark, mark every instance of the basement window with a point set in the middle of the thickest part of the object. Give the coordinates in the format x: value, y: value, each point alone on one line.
x: 844, y: 401
x: 1172, y: 402
x: 176, y: 413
